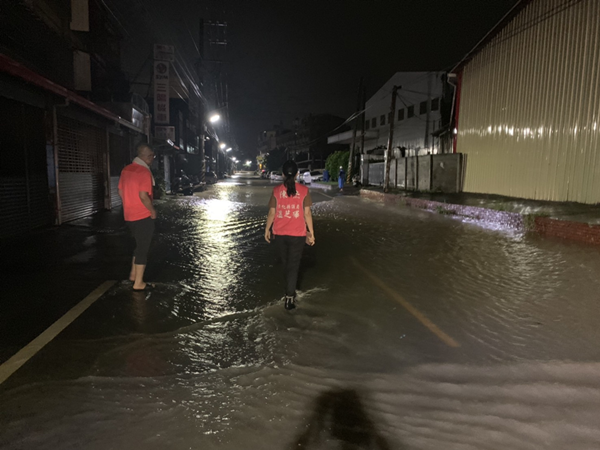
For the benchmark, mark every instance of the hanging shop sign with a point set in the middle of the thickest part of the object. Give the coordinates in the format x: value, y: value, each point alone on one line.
x: 161, y: 92
x: 164, y: 52
x: 164, y: 133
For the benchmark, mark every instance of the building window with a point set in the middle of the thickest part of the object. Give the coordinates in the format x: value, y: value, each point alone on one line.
x: 423, y: 108
x: 382, y: 120
x: 367, y: 123
x: 435, y: 104
x: 374, y: 122
x: 400, y: 115
x: 411, y: 111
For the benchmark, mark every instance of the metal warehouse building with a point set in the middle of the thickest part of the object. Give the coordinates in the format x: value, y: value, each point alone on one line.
x: 528, y: 106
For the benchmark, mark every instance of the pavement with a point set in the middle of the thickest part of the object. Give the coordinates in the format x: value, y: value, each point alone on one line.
x: 413, y: 331
x: 48, y: 271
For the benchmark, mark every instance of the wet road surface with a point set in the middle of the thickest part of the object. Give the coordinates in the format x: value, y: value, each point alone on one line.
x: 413, y: 331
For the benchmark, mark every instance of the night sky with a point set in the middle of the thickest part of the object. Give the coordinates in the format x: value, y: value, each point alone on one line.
x: 290, y: 58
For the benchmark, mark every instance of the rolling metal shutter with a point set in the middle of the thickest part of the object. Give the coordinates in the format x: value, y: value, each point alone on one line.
x: 82, y: 168
x: 120, y: 156
x: 24, y: 201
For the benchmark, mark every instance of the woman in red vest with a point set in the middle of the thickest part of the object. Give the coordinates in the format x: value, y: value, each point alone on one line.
x: 290, y: 216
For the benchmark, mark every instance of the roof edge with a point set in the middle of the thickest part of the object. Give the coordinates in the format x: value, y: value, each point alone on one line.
x: 511, y: 14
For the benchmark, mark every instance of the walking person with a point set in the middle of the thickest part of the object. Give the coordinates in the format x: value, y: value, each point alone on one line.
x: 290, y: 216
x: 341, y: 178
x: 135, y: 189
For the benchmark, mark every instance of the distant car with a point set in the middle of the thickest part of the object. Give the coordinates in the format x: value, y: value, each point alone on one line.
x: 276, y: 176
x: 316, y: 175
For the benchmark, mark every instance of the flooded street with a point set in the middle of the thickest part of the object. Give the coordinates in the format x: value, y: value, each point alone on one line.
x: 413, y: 331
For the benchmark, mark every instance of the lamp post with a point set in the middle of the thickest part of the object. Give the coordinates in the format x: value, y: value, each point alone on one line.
x: 213, y: 117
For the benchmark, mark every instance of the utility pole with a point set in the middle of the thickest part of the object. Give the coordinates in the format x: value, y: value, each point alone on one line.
x: 388, y: 152
x: 364, y: 118
x: 356, y: 120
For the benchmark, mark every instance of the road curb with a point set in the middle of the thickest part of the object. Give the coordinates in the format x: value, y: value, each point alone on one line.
x: 531, y: 223
x: 327, y: 187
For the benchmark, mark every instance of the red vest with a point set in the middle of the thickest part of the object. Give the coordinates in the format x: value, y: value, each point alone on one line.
x: 289, y: 215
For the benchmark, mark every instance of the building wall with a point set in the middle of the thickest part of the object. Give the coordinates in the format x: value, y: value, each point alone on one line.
x: 412, y: 133
x: 530, y: 106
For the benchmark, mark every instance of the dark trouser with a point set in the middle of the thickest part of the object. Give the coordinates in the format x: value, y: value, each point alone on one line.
x: 290, y: 250
x: 142, y: 231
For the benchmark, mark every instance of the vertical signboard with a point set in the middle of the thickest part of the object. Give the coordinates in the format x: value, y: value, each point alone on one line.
x: 164, y: 53
x: 161, y: 92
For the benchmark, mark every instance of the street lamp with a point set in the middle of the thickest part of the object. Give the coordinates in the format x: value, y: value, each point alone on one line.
x: 214, y: 118
x: 222, y: 145
x: 229, y: 149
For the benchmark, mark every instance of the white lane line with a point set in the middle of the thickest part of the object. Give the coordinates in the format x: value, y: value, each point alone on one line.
x: 325, y: 194
x: 26, y: 353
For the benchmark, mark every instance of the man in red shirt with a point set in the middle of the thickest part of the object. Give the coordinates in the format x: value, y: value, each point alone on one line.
x: 135, y: 189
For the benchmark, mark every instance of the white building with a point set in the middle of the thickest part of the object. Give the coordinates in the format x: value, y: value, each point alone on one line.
x: 417, y: 116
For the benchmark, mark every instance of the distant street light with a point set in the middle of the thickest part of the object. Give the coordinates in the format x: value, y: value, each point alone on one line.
x: 229, y: 149
x: 222, y: 145
x: 214, y: 118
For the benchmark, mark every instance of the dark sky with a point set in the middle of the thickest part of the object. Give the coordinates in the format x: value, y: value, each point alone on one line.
x: 290, y: 58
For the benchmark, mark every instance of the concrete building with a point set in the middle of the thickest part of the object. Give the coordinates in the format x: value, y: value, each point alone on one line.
x: 69, y: 121
x: 421, y: 156
x: 418, y: 116
x: 528, y: 109
x: 305, y: 142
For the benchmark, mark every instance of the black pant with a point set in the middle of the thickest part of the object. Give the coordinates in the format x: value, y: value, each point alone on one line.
x: 290, y: 251
x: 142, y: 231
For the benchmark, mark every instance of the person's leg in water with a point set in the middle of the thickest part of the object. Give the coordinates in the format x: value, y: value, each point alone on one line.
x: 142, y: 231
x: 132, y: 272
x: 295, y: 250
x: 282, y: 250
x: 290, y: 251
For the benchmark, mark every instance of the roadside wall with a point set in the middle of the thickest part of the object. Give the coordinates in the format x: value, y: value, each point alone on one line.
x: 502, y: 220
x: 438, y: 173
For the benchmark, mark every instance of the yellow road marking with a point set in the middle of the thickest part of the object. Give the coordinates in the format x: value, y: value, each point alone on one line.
x: 410, y: 308
x: 26, y: 353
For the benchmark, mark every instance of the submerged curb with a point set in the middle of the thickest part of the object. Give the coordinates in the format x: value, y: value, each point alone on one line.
x: 316, y: 184
x: 545, y: 226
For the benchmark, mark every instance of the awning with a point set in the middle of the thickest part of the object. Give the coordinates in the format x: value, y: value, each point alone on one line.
x: 165, y: 146
x: 15, y: 69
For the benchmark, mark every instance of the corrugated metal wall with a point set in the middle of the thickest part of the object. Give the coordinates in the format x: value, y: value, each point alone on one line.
x: 530, y: 107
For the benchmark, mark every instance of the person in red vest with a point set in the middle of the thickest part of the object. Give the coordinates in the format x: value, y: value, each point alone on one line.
x: 290, y: 216
x: 135, y: 189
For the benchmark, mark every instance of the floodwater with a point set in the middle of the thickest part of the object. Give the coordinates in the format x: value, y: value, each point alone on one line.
x: 413, y: 331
